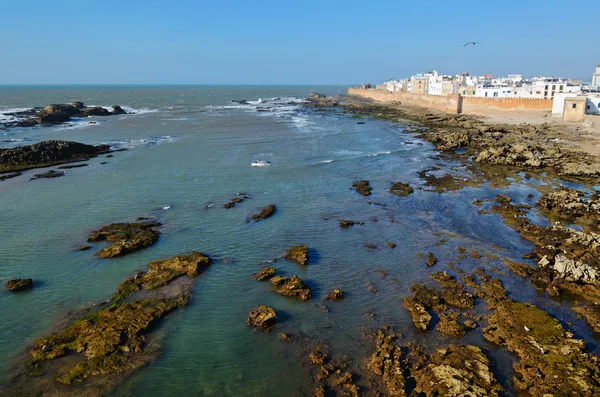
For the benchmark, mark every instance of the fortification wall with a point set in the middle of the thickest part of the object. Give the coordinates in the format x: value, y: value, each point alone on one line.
x: 475, y: 105
x: 449, y: 104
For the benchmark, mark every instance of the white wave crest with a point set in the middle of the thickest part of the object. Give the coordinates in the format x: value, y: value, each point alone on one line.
x: 132, y: 143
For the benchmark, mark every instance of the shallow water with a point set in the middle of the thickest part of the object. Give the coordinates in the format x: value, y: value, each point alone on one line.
x: 191, y: 147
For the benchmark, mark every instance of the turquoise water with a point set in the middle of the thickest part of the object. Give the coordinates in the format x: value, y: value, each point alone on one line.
x: 190, y: 150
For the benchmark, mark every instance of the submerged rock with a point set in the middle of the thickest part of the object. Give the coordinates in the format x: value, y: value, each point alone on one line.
x: 265, y: 213
x: 431, y: 259
x: 265, y: 273
x: 47, y: 153
x: 401, y: 189
x: 345, y: 224
x: 125, y: 237
x: 334, y: 295
x: 298, y: 254
x: 263, y: 317
x: 19, y: 284
x: 362, y: 187
x: 48, y: 175
x: 292, y: 286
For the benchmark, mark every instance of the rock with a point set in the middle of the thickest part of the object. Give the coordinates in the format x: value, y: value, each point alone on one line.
x: 401, y: 189
x: 94, y: 111
x: 47, y: 153
x: 265, y: 273
x: 336, y: 294
x: 372, y: 289
x: 421, y: 318
x: 386, y: 362
x: 263, y: 317
x: 48, y: 175
x: 9, y: 175
x: 459, y: 370
x: 68, y: 167
x: 19, y: 284
x: 286, y: 337
x: 315, y: 100
x: 371, y: 246
x: 162, y: 272
x: 345, y: 224
x: 431, y: 259
x: 362, y: 187
x: 318, y: 356
x: 390, y: 244
x: 118, y: 110
x: 125, y: 237
x: 453, y: 293
x: 84, y: 247
x: 298, y: 254
x: 54, y: 118
x: 449, y: 324
x: 265, y: 213
x: 446, y: 141
x: 292, y: 286
x: 229, y: 204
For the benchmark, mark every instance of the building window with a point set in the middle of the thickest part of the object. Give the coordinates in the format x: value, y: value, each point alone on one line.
x: 553, y: 87
x: 546, y: 88
x: 574, y: 106
x: 538, y: 92
x: 561, y: 87
x: 474, y: 94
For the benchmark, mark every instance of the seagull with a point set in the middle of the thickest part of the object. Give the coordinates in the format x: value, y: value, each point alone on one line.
x: 473, y: 43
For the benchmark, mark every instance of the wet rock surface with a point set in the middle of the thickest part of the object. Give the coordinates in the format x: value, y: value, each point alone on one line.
x: 239, y: 198
x: 292, y: 286
x: 111, y: 340
x: 431, y: 259
x: 265, y: 213
x: 48, y: 175
x: 345, y: 224
x: 401, y: 189
x: 47, y: 153
x: 386, y: 363
x: 458, y: 370
x: 58, y: 114
x: 19, y: 284
x: 362, y: 187
x: 316, y: 100
x: 265, y: 273
x: 298, y: 254
x: 263, y: 317
x: 335, y: 295
x: 125, y: 237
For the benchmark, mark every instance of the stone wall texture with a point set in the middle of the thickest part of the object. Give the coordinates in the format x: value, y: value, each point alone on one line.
x: 455, y: 103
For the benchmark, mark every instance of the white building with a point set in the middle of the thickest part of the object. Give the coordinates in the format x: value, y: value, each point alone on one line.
x: 592, y: 106
x: 596, y: 77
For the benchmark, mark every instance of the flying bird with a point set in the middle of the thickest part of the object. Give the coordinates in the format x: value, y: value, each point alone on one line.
x: 473, y: 43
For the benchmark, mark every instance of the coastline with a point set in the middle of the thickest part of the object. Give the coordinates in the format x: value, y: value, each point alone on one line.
x: 447, y: 305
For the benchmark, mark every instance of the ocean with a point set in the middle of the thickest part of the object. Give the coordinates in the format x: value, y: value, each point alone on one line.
x: 190, y: 150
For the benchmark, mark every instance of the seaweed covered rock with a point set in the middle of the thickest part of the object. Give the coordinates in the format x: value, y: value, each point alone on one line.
x: 431, y: 259
x: 572, y: 206
x: 108, y: 339
x: 418, y: 312
x: 401, y: 189
x: 362, y: 187
x: 298, y: 254
x: 19, y: 284
x: 345, y: 224
x: 334, y: 295
x: 47, y: 153
x: 263, y: 317
x: 162, y: 273
x: 458, y: 370
x: 292, y: 286
x: 453, y: 293
x: 265, y: 273
x: 449, y: 324
x: 265, y: 213
x: 446, y: 141
x: 125, y: 237
x: 518, y: 154
x: 386, y: 363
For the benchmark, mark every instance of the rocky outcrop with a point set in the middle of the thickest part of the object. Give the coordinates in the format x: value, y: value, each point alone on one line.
x: 401, y: 189
x: 265, y: 213
x: 453, y: 293
x: 239, y: 198
x: 19, y: 284
x: 362, y: 187
x: 386, y: 363
x: 334, y: 295
x: 418, y: 312
x: 292, y: 286
x: 60, y: 113
x: 298, y: 254
x: 111, y: 339
x: 125, y: 237
x: 431, y: 259
x: 263, y: 317
x: 571, y: 206
x: 48, y: 175
x: 47, y: 153
x: 446, y: 141
x: 265, y: 273
x: 458, y: 370
x: 316, y: 100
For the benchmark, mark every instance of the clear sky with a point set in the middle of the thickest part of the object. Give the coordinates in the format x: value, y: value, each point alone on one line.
x: 285, y: 42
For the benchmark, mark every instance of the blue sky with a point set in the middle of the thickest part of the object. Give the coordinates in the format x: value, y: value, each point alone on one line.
x: 307, y: 42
